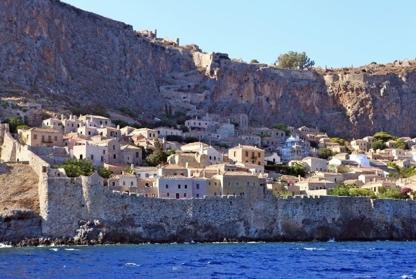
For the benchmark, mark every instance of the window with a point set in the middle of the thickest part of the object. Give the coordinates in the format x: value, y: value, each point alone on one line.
x: 184, y: 195
x: 35, y: 136
x: 124, y: 183
x: 92, y: 157
x: 115, y: 156
x: 131, y: 183
x: 197, y: 195
x: 186, y: 186
x: 167, y: 194
x: 197, y: 186
x: 167, y: 186
x: 137, y: 154
x: 80, y: 156
x: 179, y: 186
x: 49, y: 138
x: 56, y: 138
x: 114, y: 184
x: 114, y: 147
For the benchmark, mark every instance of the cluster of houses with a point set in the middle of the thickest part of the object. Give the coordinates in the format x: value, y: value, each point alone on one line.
x: 199, y: 169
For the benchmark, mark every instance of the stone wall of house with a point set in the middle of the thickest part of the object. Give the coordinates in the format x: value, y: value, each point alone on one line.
x: 83, y: 207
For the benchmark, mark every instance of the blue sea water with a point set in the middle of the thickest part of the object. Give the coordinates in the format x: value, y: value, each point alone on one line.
x: 248, y: 260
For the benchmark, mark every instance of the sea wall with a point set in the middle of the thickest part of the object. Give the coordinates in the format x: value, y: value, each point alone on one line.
x: 83, y: 208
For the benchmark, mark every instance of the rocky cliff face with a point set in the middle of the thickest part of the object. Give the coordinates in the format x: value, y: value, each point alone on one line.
x: 58, y: 55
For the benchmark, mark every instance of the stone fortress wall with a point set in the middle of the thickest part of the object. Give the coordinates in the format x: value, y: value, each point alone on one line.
x: 84, y: 207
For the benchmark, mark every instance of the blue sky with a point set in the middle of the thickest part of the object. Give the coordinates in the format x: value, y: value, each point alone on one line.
x: 333, y: 33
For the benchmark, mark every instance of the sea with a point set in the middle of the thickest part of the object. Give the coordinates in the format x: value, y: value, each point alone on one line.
x: 382, y: 259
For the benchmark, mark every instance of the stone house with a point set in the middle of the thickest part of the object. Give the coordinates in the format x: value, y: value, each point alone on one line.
x: 310, y: 185
x: 97, y: 153
x: 360, y: 145
x: 238, y: 184
x: 41, y: 137
x: 147, y: 187
x: 173, y: 170
x: 163, y: 132
x: 131, y: 154
x: 250, y: 140
x: 87, y: 130
x: 123, y: 182
x: 146, y: 172
x: 53, y: 123
x: 246, y: 154
x: 179, y: 187
x: 315, y: 164
x: 95, y: 120
x: 109, y: 132
x: 272, y: 158
x: 149, y: 134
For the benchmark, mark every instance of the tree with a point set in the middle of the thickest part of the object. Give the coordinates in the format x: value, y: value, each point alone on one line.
x: 75, y: 168
x: 254, y: 61
x: 294, y: 60
x: 158, y: 156
x: 103, y: 172
x: 15, y: 122
x: 297, y: 169
x: 378, y: 144
x: 400, y: 143
x: 324, y: 153
x: 383, y: 136
x: 283, y: 127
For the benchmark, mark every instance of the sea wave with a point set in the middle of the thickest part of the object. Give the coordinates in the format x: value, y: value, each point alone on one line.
x: 313, y: 249
x: 2, y: 245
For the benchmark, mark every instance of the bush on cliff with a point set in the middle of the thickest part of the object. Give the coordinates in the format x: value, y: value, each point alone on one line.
x: 75, y: 168
x: 294, y: 60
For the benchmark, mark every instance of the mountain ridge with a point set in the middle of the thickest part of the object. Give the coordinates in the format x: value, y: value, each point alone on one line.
x: 62, y: 57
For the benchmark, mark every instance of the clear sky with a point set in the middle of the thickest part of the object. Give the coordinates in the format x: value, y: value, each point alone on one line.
x: 332, y: 32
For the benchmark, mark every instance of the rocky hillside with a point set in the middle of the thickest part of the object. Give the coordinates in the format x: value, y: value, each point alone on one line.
x: 18, y: 188
x: 60, y: 57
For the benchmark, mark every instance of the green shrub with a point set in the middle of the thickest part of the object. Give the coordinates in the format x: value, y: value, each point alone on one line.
x: 15, y: 122
x: 294, y: 60
x: 103, y: 172
x: 383, y: 136
x: 75, y: 168
x: 324, y: 153
x: 283, y: 127
x: 378, y: 144
x: 391, y: 193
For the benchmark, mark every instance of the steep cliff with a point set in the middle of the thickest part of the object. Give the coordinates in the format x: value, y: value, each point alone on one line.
x: 63, y: 57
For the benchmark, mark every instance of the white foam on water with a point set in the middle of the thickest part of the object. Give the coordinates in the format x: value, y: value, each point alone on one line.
x: 2, y: 245
x: 132, y: 264
x: 54, y: 249
x: 313, y: 249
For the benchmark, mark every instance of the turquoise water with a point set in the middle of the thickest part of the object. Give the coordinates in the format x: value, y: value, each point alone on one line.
x: 249, y: 260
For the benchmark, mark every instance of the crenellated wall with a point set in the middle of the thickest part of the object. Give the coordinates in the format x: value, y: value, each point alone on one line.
x: 129, y: 218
